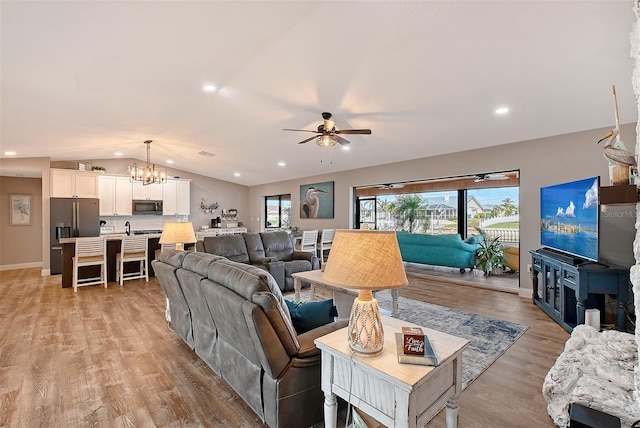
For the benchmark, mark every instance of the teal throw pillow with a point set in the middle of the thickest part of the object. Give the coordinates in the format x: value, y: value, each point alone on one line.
x: 306, y: 316
x: 473, y: 239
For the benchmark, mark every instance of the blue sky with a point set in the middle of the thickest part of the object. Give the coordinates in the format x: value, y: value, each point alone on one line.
x: 576, y: 201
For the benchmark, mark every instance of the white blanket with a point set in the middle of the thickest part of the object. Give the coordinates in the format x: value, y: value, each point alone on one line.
x: 595, y: 370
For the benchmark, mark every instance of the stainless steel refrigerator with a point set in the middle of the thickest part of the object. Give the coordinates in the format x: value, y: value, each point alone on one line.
x: 71, y: 217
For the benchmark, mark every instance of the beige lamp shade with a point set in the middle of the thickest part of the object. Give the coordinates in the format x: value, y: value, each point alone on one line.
x: 365, y: 260
x: 178, y: 233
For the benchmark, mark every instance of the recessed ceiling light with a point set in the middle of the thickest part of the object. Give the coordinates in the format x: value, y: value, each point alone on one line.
x: 10, y: 153
x: 209, y: 87
x: 237, y: 174
x: 346, y: 148
x: 502, y: 110
x: 118, y: 153
x: 281, y: 164
x: 169, y: 161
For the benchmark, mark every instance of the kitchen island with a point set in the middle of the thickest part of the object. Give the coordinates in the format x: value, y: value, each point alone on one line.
x: 114, y: 243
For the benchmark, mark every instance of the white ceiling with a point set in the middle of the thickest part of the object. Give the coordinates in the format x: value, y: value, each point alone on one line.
x: 84, y: 79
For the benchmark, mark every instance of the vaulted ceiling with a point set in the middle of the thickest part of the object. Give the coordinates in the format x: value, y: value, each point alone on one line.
x: 84, y: 80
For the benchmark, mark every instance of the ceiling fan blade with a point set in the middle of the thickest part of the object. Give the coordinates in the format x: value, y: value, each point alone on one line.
x: 308, y: 139
x: 341, y: 140
x: 354, y: 131
x: 495, y: 177
x: 301, y: 130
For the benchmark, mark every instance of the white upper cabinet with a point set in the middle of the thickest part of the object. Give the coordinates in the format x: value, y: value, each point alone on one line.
x: 69, y: 183
x: 177, y: 197
x: 115, y: 195
x: 150, y: 192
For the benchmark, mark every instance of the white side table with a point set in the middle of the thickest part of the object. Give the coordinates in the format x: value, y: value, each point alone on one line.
x: 397, y: 395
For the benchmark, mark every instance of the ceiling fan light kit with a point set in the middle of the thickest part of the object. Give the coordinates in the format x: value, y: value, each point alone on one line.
x: 328, y: 134
x: 326, y: 141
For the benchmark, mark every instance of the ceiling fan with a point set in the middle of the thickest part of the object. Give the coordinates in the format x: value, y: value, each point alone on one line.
x: 391, y: 186
x: 328, y: 135
x: 491, y: 177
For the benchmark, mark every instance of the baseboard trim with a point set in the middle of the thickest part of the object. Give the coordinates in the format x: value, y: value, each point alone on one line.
x: 21, y: 266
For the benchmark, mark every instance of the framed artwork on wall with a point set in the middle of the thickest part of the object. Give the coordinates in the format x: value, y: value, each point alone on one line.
x: 20, y: 210
x: 316, y: 200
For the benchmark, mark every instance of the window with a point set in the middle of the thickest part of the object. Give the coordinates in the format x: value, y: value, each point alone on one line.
x: 277, y: 211
x: 453, y: 205
x: 429, y: 212
x: 495, y: 210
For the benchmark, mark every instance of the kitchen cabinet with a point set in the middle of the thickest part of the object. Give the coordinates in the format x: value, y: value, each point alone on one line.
x: 70, y: 183
x: 115, y: 195
x: 150, y: 192
x: 176, y: 197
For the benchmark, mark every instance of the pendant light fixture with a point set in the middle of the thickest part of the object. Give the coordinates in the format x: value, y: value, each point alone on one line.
x: 150, y: 173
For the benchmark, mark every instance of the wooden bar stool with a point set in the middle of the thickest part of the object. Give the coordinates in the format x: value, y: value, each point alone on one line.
x: 134, y: 249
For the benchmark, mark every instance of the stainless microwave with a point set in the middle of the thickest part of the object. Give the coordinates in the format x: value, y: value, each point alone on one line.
x: 145, y: 207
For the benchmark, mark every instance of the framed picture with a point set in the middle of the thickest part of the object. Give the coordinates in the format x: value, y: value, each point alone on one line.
x: 20, y: 210
x: 316, y: 200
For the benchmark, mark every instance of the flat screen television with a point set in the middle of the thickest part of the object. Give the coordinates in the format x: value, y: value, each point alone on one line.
x: 569, y: 219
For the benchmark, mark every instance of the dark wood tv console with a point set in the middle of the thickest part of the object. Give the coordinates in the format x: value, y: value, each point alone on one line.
x: 564, y: 290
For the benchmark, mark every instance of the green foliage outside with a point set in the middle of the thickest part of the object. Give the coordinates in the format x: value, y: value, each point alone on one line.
x: 409, y: 210
x: 506, y: 225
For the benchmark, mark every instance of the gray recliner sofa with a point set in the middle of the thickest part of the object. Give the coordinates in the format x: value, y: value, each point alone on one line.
x: 234, y: 316
x: 272, y: 251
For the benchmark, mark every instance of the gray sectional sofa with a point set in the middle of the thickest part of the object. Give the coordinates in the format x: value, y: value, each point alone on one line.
x: 234, y: 317
x: 272, y: 251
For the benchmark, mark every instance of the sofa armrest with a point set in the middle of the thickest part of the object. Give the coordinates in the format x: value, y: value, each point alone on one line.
x: 276, y: 269
x: 308, y: 347
x: 305, y: 255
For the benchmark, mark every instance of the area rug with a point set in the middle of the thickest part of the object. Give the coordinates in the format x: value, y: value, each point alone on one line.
x: 488, y: 338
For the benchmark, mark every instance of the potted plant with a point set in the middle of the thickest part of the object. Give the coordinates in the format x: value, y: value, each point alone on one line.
x: 98, y: 168
x: 489, y: 254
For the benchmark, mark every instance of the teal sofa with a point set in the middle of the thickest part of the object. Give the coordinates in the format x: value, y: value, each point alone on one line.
x: 439, y: 250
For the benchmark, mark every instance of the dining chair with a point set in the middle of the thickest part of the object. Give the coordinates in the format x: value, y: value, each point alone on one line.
x: 134, y: 249
x: 326, y: 239
x: 90, y: 252
x: 309, y: 242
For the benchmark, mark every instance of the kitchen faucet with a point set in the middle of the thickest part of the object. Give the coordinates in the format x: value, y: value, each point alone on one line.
x: 127, y: 228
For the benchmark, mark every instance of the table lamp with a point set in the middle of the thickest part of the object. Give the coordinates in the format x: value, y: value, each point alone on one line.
x: 367, y: 260
x: 178, y: 233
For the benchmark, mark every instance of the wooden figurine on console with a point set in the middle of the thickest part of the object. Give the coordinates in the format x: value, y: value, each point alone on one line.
x: 621, y: 161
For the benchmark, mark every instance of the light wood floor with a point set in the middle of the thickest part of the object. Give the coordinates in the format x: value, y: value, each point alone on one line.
x: 108, y: 358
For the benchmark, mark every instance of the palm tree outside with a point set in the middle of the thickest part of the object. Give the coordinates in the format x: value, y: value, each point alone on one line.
x: 409, y: 211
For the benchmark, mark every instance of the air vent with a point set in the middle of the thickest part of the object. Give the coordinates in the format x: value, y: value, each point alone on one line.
x: 207, y: 154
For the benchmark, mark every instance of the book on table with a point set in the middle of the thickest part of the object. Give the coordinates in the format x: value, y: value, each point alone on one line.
x: 413, y: 349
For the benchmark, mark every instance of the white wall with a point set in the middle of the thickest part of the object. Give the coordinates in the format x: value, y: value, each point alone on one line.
x: 40, y: 166
x: 541, y: 162
x: 21, y: 246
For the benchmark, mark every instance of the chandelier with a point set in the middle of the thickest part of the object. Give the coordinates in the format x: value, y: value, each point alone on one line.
x: 326, y: 141
x: 150, y: 173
